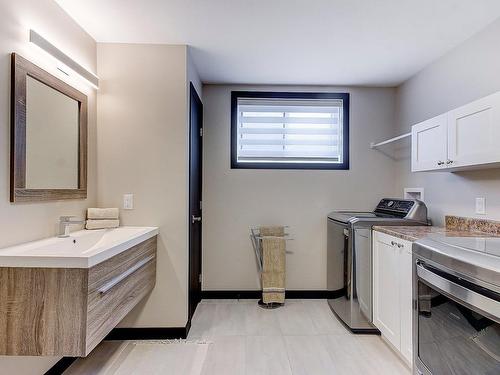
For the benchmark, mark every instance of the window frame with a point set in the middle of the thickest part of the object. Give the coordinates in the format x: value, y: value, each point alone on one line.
x: 235, y: 95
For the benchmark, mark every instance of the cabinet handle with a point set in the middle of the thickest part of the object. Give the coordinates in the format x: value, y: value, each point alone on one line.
x: 393, y: 243
x: 116, y: 280
x: 440, y: 162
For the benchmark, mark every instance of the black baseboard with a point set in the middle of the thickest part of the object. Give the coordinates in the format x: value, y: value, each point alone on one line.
x: 309, y: 294
x: 256, y: 294
x: 231, y: 294
x: 150, y: 333
x: 61, y: 366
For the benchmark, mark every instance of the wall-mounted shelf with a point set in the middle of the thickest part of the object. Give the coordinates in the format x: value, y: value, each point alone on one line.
x: 375, y: 145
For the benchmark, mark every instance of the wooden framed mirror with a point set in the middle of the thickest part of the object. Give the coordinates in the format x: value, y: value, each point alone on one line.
x: 48, y: 136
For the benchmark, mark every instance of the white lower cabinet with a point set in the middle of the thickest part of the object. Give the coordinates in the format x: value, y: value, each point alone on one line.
x: 386, y: 315
x: 392, y: 291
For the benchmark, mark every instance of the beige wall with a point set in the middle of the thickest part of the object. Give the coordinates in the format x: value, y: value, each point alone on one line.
x: 25, y: 222
x: 142, y: 148
x: 192, y: 76
x: 234, y: 200
x: 468, y: 72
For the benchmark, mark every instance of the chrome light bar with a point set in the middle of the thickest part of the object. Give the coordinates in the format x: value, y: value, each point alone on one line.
x: 52, y: 50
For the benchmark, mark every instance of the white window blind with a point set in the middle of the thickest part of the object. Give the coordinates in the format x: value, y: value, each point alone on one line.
x: 289, y: 131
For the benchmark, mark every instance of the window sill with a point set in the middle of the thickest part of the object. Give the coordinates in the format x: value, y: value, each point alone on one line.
x: 298, y: 166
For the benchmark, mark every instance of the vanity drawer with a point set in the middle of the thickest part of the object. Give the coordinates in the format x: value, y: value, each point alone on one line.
x: 116, y: 286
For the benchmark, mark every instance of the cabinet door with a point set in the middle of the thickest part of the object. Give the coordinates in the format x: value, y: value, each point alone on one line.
x: 428, y: 144
x: 473, y: 133
x: 386, y: 309
x: 405, y: 299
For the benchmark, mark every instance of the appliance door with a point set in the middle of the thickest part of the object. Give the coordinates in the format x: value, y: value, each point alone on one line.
x: 337, y: 243
x: 456, y: 324
x: 362, y: 270
x: 349, y: 275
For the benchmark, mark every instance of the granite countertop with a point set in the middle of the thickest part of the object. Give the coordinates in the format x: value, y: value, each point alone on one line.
x: 456, y: 226
x: 409, y: 233
x: 413, y: 233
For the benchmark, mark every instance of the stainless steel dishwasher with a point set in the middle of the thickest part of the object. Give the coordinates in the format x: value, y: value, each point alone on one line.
x: 456, y: 315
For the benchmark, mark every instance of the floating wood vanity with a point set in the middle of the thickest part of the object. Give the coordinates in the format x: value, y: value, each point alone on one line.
x: 67, y: 310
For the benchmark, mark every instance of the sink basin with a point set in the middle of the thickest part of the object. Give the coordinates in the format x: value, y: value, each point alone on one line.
x: 83, y: 249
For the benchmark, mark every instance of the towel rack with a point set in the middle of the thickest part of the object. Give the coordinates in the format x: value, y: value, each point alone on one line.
x: 256, y: 239
x: 375, y: 145
x: 273, y: 289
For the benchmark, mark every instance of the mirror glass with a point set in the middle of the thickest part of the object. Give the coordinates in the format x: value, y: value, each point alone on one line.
x: 52, y: 138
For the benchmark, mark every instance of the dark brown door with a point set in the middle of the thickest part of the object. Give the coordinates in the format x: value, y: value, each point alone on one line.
x: 195, y: 187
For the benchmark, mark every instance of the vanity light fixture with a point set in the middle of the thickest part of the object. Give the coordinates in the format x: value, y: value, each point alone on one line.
x: 52, y: 50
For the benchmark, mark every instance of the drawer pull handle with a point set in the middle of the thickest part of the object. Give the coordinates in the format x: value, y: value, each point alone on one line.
x: 116, y: 280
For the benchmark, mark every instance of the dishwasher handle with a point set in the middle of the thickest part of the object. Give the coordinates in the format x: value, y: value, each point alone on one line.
x: 459, y: 293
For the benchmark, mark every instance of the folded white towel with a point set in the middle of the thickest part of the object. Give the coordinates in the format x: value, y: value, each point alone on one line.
x: 102, y: 224
x: 102, y: 213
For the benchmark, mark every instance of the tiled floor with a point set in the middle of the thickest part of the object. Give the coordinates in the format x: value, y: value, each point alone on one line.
x: 301, y: 338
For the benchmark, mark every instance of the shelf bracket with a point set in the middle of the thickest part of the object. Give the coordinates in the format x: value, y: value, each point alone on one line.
x: 375, y: 145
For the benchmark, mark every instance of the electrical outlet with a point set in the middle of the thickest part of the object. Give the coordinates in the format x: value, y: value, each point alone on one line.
x: 480, y: 206
x: 128, y: 201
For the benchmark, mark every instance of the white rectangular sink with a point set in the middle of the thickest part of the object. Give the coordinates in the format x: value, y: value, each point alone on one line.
x: 82, y: 249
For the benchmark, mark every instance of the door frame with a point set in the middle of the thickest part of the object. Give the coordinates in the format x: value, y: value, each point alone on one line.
x: 193, y: 96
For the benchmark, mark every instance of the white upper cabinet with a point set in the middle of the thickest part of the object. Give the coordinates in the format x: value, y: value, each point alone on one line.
x: 474, y: 133
x: 467, y: 137
x: 428, y: 144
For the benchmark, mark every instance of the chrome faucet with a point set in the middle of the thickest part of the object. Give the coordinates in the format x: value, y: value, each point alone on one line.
x: 65, y: 222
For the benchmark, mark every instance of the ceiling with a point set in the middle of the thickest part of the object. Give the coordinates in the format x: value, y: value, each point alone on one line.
x: 317, y: 42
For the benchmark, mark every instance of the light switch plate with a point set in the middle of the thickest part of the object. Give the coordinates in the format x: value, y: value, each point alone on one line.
x: 480, y: 206
x: 128, y: 201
